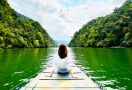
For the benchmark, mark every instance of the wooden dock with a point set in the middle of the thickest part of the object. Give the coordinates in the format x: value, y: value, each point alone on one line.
x: 61, y: 81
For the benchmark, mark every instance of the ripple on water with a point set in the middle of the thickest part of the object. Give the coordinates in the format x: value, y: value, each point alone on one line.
x: 17, y: 73
x: 24, y: 80
x: 6, y: 84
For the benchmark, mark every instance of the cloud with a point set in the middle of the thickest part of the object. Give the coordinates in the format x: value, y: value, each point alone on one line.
x: 62, y: 18
x: 15, y: 5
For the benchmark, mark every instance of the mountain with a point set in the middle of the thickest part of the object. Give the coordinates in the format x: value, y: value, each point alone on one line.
x: 111, y: 30
x: 61, y: 42
x: 19, y: 31
x: 22, y: 17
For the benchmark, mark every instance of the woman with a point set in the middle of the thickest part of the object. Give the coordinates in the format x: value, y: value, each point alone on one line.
x: 61, y: 62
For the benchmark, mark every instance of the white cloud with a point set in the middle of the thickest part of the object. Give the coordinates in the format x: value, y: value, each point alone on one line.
x: 61, y: 21
x: 15, y: 5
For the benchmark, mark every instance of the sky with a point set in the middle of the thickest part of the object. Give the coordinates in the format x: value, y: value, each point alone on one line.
x: 62, y: 18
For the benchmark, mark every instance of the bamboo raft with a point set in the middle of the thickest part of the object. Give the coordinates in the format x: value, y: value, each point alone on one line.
x: 61, y: 81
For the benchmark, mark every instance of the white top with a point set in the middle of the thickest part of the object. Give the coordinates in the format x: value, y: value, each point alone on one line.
x: 59, y: 63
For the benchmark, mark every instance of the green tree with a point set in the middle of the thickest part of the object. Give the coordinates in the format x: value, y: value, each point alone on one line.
x: 111, y: 30
x: 17, y: 30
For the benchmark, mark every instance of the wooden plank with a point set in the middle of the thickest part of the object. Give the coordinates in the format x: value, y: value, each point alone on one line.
x: 66, y: 83
x: 63, y: 88
x: 24, y: 88
x: 34, y: 81
x: 62, y: 81
x: 63, y: 76
x: 73, y: 65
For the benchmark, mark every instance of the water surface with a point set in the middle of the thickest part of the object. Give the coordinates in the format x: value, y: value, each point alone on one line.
x: 109, y: 66
x: 17, y: 65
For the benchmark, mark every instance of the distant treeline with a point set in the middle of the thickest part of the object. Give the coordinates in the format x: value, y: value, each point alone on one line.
x: 112, y: 30
x: 19, y: 31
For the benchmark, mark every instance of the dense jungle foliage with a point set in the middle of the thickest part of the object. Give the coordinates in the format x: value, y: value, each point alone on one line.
x: 112, y: 30
x: 19, y: 31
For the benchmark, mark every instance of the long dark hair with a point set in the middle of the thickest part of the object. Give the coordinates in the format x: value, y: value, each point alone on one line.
x: 62, y: 51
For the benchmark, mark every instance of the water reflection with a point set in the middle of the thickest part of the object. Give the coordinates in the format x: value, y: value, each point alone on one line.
x: 112, y: 67
x: 17, y: 65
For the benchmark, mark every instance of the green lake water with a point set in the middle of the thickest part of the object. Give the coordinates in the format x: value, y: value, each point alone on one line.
x: 110, y: 66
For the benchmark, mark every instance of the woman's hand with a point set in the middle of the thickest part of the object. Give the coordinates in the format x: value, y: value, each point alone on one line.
x: 48, y: 75
x: 75, y: 77
x: 70, y: 71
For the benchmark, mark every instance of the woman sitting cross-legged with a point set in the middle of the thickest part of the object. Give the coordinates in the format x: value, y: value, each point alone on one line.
x: 61, y: 62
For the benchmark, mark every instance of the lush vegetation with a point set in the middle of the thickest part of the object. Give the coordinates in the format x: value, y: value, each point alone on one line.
x: 112, y: 30
x: 19, y: 31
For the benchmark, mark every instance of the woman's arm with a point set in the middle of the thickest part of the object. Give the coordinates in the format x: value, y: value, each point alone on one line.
x: 50, y: 75
x: 54, y: 67
x: 70, y: 71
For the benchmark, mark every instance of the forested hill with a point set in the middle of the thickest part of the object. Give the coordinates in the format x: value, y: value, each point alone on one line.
x: 19, y: 31
x: 112, y: 30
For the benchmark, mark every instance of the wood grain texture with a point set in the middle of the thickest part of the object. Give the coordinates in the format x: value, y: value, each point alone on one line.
x: 61, y: 81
